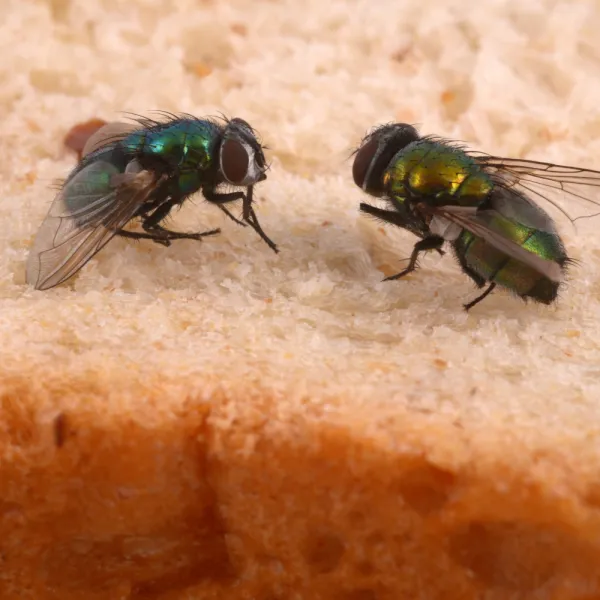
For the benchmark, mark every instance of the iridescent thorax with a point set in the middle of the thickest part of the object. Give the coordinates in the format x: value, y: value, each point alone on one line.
x: 188, y: 146
x: 437, y: 171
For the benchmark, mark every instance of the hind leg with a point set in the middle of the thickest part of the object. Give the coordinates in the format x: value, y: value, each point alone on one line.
x: 479, y: 298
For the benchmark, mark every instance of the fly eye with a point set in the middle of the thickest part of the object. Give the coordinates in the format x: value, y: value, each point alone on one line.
x: 362, y: 161
x: 374, y: 156
x: 234, y: 161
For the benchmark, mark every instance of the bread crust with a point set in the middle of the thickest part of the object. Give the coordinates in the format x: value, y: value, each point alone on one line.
x: 117, y: 488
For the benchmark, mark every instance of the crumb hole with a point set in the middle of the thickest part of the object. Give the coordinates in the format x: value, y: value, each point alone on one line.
x: 323, y: 552
x: 365, y: 567
x: 426, y: 489
x: 356, y: 518
x: 512, y: 556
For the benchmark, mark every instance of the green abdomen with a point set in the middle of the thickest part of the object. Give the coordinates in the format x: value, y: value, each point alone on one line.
x: 483, y: 262
x: 437, y: 174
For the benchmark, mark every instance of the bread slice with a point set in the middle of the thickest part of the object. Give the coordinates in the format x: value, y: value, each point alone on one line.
x: 213, y: 420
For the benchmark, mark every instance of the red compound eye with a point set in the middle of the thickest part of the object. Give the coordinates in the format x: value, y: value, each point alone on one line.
x: 363, y: 160
x: 234, y: 161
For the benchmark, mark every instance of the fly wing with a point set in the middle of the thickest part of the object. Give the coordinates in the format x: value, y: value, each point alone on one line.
x: 573, y: 191
x: 87, y: 213
x: 107, y: 134
x: 517, y: 207
x: 477, y: 222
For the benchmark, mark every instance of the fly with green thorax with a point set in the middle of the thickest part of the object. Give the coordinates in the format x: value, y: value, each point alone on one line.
x: 141, y: 171
x: 482, y: 205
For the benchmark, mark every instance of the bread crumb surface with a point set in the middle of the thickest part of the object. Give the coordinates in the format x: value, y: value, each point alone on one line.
x: 197, y: 385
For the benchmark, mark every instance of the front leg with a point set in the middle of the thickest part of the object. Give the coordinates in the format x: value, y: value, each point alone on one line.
x: 221, y: 199
x: 404, y: 220
x: 222, y: 208
x: 217, y: 198
x: 249, y: 214
x: 429, y: 243
x: 253, y: 220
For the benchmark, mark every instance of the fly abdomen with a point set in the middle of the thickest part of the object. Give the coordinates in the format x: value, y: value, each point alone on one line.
x: 484, y: 262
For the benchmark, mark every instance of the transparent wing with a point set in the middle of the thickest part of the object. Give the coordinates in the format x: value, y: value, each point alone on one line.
x: 478, y: 223
x: 573, y: 191
x: 517, y: 207
x: 107, y: 134
x: 85, y: 215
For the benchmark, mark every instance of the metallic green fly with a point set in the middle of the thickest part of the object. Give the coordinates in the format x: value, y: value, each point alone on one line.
x: 142, y: 170
x: 481, y: 205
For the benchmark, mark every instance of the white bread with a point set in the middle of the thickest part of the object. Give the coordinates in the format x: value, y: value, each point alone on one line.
x: 213, y: 420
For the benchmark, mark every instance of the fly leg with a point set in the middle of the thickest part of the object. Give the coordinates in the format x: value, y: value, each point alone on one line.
x: 234, y: 219
x: 220, y: 199
x: 137, y: 235
x: 430, y: 243
x: 252, y: 219
x: 164, y: 236
x: 249, y: 214
x: 405, y: 220
x: 479, y: 298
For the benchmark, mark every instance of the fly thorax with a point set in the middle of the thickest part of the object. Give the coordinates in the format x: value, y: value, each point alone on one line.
x: 437, y: 176
x: 438, y: 172
x: 475, y: 189
x: 395, y: 176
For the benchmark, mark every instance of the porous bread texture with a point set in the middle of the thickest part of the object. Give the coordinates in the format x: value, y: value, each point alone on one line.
x: 213, y: 420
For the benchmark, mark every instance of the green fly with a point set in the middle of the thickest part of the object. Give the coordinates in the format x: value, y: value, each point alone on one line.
x: 142, y: 170
x: 481, y: 205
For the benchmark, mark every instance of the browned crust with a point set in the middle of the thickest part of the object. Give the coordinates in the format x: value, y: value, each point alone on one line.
x: 114, y: 488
